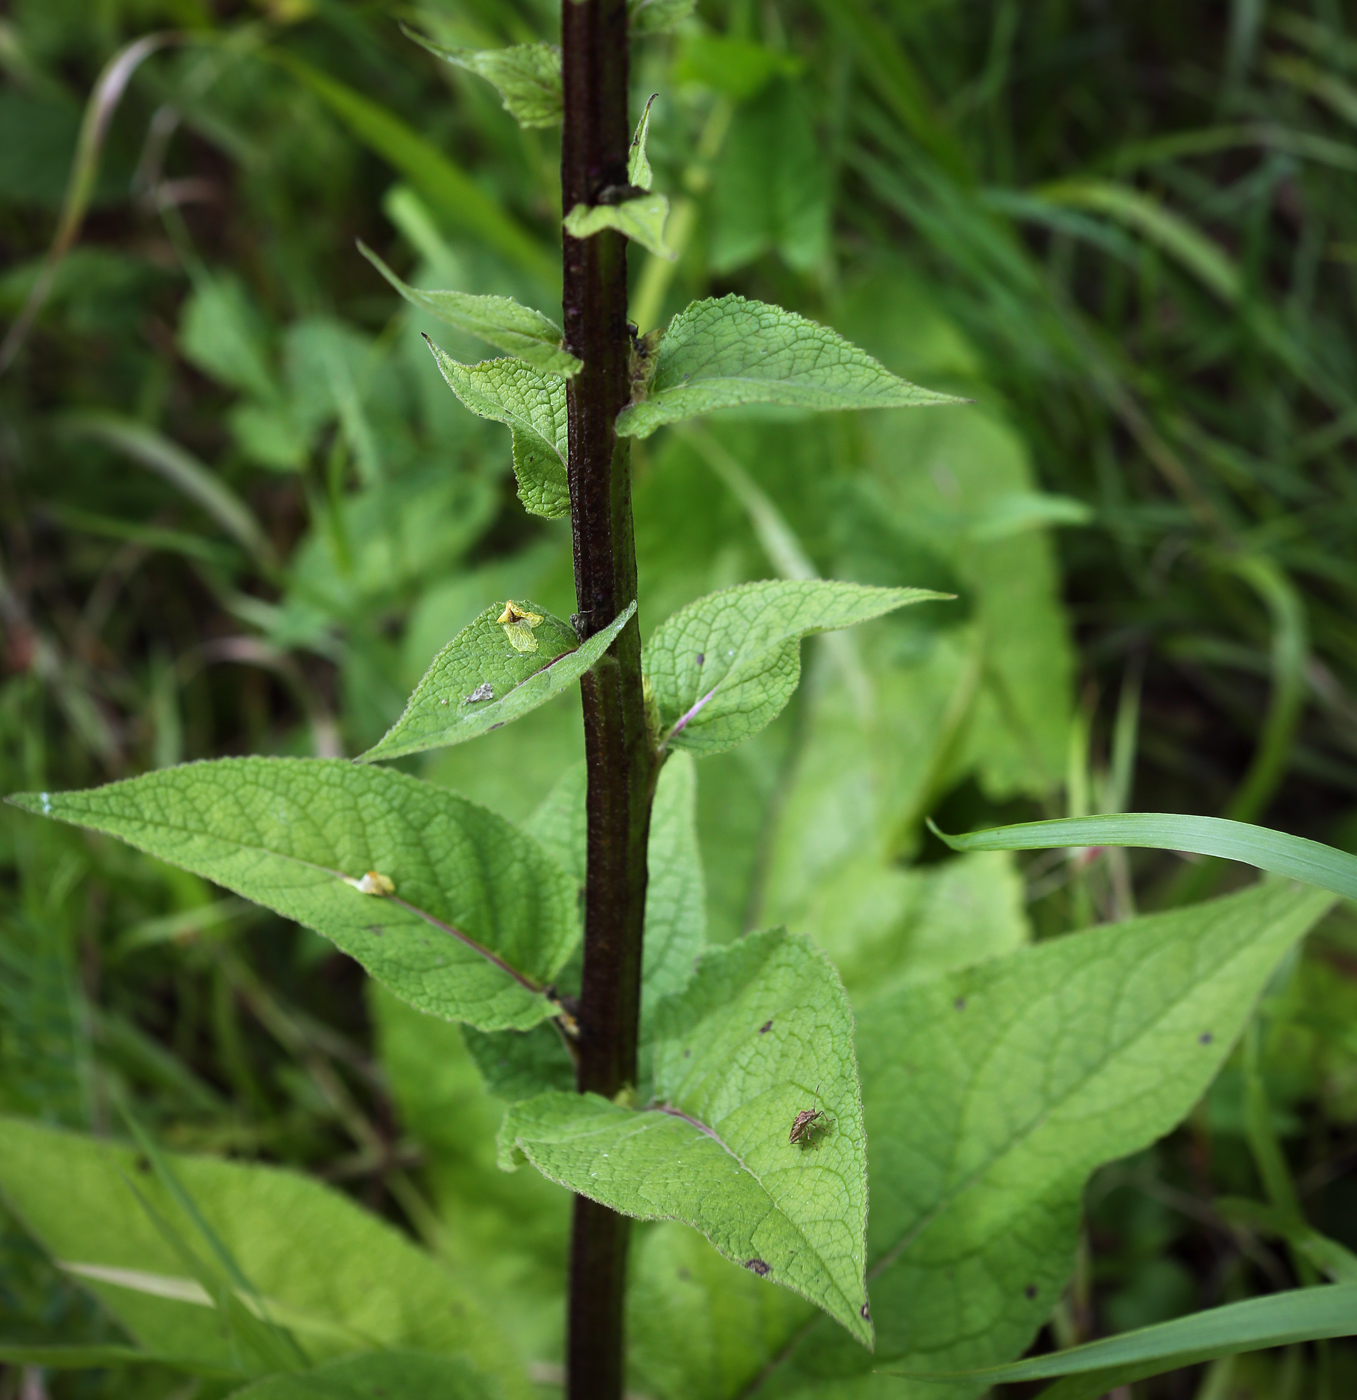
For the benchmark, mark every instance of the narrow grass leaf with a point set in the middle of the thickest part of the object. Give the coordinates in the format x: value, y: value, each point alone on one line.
x: 501, y: 321
x: 480, y: 680
x: 532, y: 406
x: 458, y: 912
x: 731, y: 351
x: 760, y: 1036
x: 1310, y: 862
x: 726, y: 665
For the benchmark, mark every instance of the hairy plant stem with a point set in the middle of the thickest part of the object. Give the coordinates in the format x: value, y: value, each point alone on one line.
x: 621, y: 766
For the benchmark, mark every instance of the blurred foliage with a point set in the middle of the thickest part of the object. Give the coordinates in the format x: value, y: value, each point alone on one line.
x: 241, y: 512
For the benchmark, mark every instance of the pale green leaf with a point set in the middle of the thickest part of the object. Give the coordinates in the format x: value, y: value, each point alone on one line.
x: 481, y: 680
x: 501, y: 321
x: 560, y: 824
x: 676, y: 901
x: 381, y: 1375
x: 658, y: 16
x: 1283, y: 1319
x: 526, y: 76
x: 724, y: 666
x: 1040, y: 1067
x: 480, y: 918
x: 339, y: 1279
x: 532, y: 406
x: 517, y: 1065
x: 640, y: 219
x: 762, y: 1033
x: 730, y: 351
x: 638, y: 166
x: 1310, y: 862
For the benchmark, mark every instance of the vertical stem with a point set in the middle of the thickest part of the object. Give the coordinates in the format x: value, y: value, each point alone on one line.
x: 617, y: 749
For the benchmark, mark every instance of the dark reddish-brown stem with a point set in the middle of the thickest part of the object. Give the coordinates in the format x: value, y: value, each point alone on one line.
x: 617, y: 748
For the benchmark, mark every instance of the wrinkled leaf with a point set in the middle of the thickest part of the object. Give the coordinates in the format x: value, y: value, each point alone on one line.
x: 532, y: 406
x: 761, y: 1034
x: 503, y: 322
x: 640, y: 219
x: 526, y: 76
x: 1040, y: 1067
x: 480, y: 680
x: 481, y: 918
x: 724, y: 666
x: 730, y: 351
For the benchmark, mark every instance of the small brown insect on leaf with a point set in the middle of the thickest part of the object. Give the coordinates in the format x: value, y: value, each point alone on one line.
x: 803, y: 1125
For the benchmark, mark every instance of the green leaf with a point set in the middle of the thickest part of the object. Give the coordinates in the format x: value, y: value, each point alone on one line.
x: 640, y: 219
x: 221, y: 332
x: 676, y: 901
x: 730, y: 351
x: 480, y: 918
x: 1301, y: 1315
x: 526, y: 76
x: 503, y: 322
x: 638, y: 167
x: 381, y: 1375
x: 658, y: 16
x: 724, y: 666
x: 85, y: 1358
x: 734, y: 68
x: 532, y: 406
x: 762, y: 1033
x: 560, y: 821
x: 338, y: 1278
x: 992, y: 1094
x: 1310, y: 862
x: 480, y: 680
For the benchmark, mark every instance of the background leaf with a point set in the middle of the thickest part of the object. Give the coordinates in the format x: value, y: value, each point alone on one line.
x: 526, y: 76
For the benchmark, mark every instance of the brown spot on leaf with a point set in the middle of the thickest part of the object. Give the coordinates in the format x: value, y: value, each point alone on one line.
x: 766, y: 1027
x: 960, y: 1003
x: 1030, y: 1291
x: 1206, y: 1037
x: 758, y: 1266
x: 864, y: 1314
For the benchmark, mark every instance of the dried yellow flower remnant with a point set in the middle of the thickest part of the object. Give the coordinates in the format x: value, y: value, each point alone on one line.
x: 374, y: 882
x: 518, y: 624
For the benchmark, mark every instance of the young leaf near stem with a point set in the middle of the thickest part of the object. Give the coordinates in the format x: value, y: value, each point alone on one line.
x: 595, y: 143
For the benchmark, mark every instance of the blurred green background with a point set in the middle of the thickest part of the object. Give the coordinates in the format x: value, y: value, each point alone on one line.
x: 241, y: 512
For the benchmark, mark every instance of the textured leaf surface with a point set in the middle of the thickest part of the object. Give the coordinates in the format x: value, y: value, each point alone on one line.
x: 526, y: 76
x: 737, y: 1055
x: 532, y: 406
x: 480, y: 680
x: 725, y: 666
x: 382, y: 1375
x: 730, y: 351
x: 340, y: 1279
x: 288, y: 833
x: 994, y: 1092
x: 503, y: 322
x: 640, y: 219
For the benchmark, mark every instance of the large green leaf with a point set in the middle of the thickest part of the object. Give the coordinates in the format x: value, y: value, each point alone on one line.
x: 501, y: 321
x: 641, y: 219
x: 480, y: 920
x: 480, y: 680
x: 1297, y: 858
x: 339, y: 1279
x: 381, y: 1375
x: 761, y: 1034
x: 526, y: 76
x: 532, y: 406
x: 1283, y: 1319
x: 730, y: 351
x: 994, y: 1092
x: 676, y: 901
x: 725, y: 666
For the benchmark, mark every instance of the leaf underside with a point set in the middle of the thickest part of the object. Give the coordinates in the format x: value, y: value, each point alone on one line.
x: 640, y: 219
x: 526, y: 76
x: 480, y: 680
